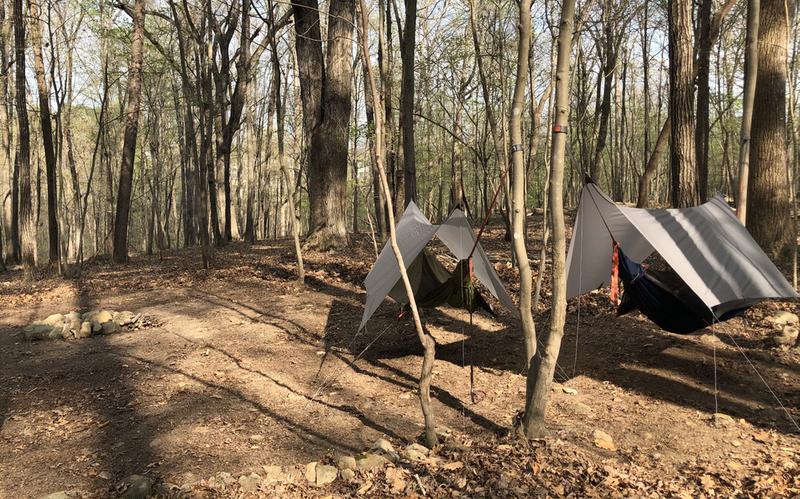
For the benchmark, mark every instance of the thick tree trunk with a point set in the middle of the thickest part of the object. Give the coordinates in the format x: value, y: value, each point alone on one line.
x: 769, y: 209
x: 685, y: 192
x: 328, y: 143
x: 129, y: 140
x: 542, y: 367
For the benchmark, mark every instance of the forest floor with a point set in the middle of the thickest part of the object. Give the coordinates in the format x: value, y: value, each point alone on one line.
x: 240, y: 368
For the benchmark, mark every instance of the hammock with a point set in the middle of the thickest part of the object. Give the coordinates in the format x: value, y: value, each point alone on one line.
x: 665, y: 299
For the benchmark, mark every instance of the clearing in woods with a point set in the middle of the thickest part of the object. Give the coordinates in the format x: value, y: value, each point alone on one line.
x: 221, y: 377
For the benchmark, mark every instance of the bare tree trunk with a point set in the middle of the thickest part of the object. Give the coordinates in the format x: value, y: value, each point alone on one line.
x: 287, y: 175
x: 5, y: 132
x: 750, y: 74
x: 47, y: 131
x: 685, y: 192
x: 23, y: 161
x: 328, y: 143
x: 703, y: 96
x: 540, y: 373
x: 770, y: 220
x: 407, y: 47
x: 518, y: 198
x: 129, y: 141
x: 666, y: 130
x: 426, y: 340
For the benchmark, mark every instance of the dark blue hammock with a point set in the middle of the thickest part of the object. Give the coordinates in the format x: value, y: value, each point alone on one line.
x: 665, y: 299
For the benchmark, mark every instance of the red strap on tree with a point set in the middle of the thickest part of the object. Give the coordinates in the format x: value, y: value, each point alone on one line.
x: 614, y: 294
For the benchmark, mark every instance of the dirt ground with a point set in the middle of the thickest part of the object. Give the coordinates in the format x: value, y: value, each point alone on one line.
x: 241, y: 368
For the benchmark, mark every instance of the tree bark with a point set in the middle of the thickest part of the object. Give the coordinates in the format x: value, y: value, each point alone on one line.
x: 129, y: 140
x: 47, y: 130
x: 23, y: 160
x: 750, y: 74
x: 407, y: 48
x: 5, y: 132
x: 703, y: 97
x: 287, y: 175
x: 542, y: 367
x: 518, y: 199
x: 769, y: 219
x: 427, y: 341
x: 685, y: 191
x: 328, y: 142
x: 666, y: 130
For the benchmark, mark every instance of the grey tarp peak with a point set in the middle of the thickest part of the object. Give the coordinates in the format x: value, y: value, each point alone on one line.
x: 413, y: 232
x: 707, y: 246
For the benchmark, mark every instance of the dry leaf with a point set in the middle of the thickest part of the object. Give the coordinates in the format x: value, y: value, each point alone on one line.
x: 363, y: 490
x: 762, y: 437
x: 453, y: 466
x: 605, y: 444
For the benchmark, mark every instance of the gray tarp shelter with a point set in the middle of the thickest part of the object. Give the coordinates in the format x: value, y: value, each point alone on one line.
x: 413, y: 233
x: 707, y: 246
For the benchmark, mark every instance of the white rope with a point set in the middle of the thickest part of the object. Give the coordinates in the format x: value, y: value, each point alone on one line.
x: 326, y: 383
x: 755, y: 370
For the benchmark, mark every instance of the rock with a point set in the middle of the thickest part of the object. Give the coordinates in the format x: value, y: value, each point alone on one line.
x: 602, y: 436
x: 97, y: 328
x: 55, y: 333
x: 413, y: 455
x: 720, y: 419
x: 311, y: 472
x: 782, y: 317
x: 85, y: 316
x: 346, y: 463
x: 580, y: 409
x: 86, y: 330
x: 786, y: 337
x: 66, y: 332
x: 256, y: 439
x: 347, y: 474
x: 326, y: 474
x: 110, y: 327
x: 369, y: 461
x: 99, y: 316
x: 123, y: 318
x: 136, y: 487
x: 250, y: 483
x: 53, y: 319
x: 405, y: 395
x: 382, y: 446
x: 273, y: 473
x: 419, y: 448
x: 762, y: 356
x: 64, y: 494
x: 37, y: 332
x: 165, y: 489
x: 105, y: 475
x: 223, y: 478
